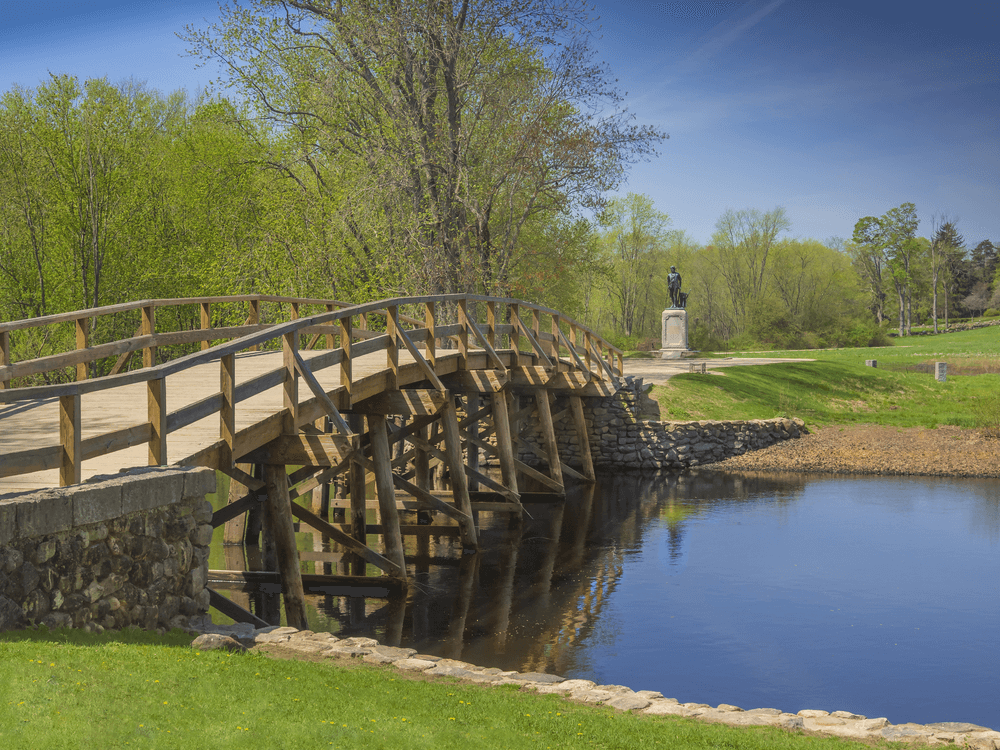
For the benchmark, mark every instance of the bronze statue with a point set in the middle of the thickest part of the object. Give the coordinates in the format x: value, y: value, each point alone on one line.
x: 674, y: 286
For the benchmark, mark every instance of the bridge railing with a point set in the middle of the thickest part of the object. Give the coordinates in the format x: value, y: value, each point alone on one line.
x: 562, y: 345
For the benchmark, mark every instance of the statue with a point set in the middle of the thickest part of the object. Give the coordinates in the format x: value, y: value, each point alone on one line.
x: 674, y: 286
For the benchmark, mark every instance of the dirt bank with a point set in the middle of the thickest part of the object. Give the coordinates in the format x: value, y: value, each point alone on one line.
x: 871, y: 449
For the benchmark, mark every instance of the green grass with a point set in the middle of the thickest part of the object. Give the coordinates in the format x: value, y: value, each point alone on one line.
x: 70, y: 689
x: 838, y: 388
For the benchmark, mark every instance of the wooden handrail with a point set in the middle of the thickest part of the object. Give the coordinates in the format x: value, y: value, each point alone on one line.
x: 336, y: 320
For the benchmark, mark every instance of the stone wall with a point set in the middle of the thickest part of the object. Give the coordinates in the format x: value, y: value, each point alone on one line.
x: 131, y: 549
x: 621, y: 438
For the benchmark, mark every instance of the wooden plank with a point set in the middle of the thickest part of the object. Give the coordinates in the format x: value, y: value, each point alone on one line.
x: 277, y: 509
x: 418, y: 357
x: 407, y: 403
x: 475, y: 381
x: 111, y: 442
x: 236, y: 508
x: 298, y: 449
x: 549, y: 435
x: 430, y: 347
x: 382, y: 468
x: 233, y: 610
x: 30, y: 461
x: 463, y: 335
x: 71, y: 463
x: 392, y: 346
x: 234, y: 472
x: 539, y: 352
x: 370, y: 587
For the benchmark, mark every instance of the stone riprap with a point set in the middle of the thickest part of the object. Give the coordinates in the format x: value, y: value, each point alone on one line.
x: 126, y: 550
x: 836, y: 723
x: 621, y: 439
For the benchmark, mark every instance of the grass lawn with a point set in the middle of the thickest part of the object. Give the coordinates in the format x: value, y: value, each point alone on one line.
x: 838, y: 388
x: 70, y: 689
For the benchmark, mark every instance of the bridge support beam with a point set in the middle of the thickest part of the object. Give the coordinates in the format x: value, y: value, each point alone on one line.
x: 279, y: 520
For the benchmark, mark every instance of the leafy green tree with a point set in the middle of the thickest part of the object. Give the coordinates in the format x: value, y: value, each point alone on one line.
x: 945, y: 244
x: 888, y: 243
x: 455, y: 123
x: 743, y: 241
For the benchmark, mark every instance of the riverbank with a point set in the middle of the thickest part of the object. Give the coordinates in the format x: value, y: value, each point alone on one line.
x: 289, y: 643
x: 944, y: 451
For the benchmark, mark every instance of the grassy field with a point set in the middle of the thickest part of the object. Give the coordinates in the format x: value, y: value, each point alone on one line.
x: 837, y: 388
x: 69, y: 689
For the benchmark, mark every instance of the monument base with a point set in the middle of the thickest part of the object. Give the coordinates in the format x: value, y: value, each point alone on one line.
x: 674, y: 338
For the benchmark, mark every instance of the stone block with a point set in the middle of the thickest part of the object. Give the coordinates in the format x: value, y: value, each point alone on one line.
x: 145, y: 490
x: 198, y: 482
x: 97, y: 503
x: 8, y: 521
x: 47, y: 512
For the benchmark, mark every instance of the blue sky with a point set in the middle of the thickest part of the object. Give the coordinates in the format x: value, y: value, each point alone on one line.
x: 832, y: 109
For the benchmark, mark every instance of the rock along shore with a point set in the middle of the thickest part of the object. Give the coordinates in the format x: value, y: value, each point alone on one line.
x: 844, y: 724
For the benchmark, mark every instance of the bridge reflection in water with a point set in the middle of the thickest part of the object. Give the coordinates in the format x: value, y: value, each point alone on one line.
x: 538, y: 587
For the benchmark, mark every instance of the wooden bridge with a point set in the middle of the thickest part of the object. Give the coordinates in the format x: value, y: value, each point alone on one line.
x: 411, y: 391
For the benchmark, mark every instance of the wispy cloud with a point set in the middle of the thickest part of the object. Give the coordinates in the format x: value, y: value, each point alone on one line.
x: 729, y: 31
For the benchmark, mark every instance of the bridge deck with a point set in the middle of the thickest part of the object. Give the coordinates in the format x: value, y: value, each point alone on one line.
x: 32, y: 424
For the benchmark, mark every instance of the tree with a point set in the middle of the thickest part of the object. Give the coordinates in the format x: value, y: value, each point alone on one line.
x: 888, y: 243
x: 743, y: 240
x: 979, y: 300
x: 637, y: 234
x: 944, y: 245
x: 458, y: 122
x: 984, y: 259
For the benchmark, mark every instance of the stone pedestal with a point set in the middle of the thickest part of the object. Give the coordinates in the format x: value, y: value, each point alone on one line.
x: 674, y: 336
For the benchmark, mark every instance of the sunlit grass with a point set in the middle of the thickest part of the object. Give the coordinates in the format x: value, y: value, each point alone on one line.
x: 81, y: 690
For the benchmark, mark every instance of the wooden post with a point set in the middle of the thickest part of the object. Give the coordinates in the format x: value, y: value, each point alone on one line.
x: 453, y: 453
x: 346, y: 334
x: 583, y: 438
x: 471, y: 449
x: 421, y: 462
x: 254, y: 317
x: 279, y: 520
x: 295, y: 311
x: 156, y: 411
x: 356, y: 487
x: 329, y: 336
x: 227, y: 413
x: 429, y: 323
x: 586, y: 349
x: 491, y: 324
x: 505, y: 442
x: 392, y: 347
x: 206, y: 323
x: 463, y: 335
x: 82, y: 334
x: 621, y: 364
x: 289, y: 346
x: 4, y: 357
x: 235, y: 528
x: 536, y: 325
x: 386, y: 491
x: 544, y: 409
x: 515, y: 335
x: 148, y: 329
x: 555, y: 344
x: 71, y: 465
x: 255, y: 516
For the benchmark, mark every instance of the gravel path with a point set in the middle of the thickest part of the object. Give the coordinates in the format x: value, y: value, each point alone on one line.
x: 870, y: 449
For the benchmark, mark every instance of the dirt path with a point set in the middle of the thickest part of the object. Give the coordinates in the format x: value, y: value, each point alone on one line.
x: 658, y: 371
x: 871, y: 449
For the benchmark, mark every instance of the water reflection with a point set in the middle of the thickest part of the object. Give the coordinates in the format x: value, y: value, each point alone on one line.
x: 798, y: 591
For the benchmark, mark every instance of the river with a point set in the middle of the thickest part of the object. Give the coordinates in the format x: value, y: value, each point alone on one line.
x: 873, y: 595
